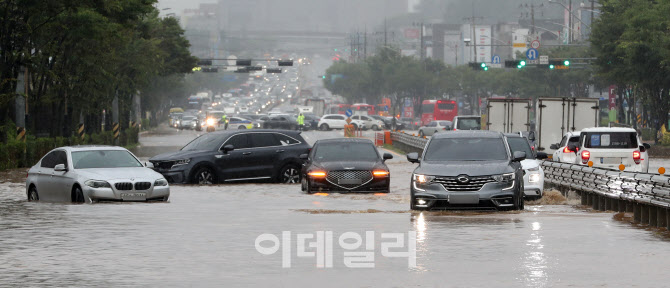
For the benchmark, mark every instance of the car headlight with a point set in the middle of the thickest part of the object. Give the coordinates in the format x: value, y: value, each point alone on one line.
x: 97, y: 184
x: 534, y: 177
x: 423, y: 179
x: 181, y: 162
x: 161, y: 182
x: 504, y: 178
x: 211, y: 121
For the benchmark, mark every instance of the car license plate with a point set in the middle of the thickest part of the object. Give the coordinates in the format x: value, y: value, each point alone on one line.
x: 463, y: 199
x: 133, y: 196
x: 610, y: 160
x: 349, y: 181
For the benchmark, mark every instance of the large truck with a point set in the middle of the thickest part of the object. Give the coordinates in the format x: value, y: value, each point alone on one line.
x: 557, y: 116
x: 508, y: 115
x: 318, y: 105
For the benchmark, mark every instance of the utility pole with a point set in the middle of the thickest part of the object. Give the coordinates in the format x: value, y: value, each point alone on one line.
x: 472, y: 23
x: 570, y: 21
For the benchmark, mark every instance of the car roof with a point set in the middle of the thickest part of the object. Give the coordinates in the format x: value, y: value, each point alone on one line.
x: 609, y: 129
x: 468, y: 134
x: 344, y: 140
x: 468, y: 116
x: 512, y: 135
x: 92, y: 148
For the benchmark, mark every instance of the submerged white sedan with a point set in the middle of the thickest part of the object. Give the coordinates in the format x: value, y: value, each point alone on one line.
x: 85, y: 174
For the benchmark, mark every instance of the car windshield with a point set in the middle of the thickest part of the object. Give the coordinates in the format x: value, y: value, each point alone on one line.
x: 466, y: 149
x: 611, y: 140
x: 206, y: 142
x: 469, y: 124
x: 343, y: 151
x: 521, y: 145
x: 104, y: 159
x: 188, y: 118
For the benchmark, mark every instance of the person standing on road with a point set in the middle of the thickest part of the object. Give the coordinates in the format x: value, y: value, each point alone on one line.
x: 224, y: 119
x: 301, y: 121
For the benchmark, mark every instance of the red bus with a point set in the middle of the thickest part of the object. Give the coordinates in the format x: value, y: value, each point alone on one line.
x: 438, y: 110
x: 337, y: 109
x: 370, y: 109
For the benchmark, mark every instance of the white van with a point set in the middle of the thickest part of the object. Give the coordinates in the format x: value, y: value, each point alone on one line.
x: 610, y: 147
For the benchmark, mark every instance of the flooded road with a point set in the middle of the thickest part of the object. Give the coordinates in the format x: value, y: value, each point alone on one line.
x: 206, y: 236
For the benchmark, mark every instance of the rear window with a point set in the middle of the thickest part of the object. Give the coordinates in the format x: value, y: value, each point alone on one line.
x: 469, y: 124
x: 611, y: 140
x: 428, y: 108
x: 446, y: 106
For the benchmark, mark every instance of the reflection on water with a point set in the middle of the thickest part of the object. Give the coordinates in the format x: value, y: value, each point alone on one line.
x: 535, y: 262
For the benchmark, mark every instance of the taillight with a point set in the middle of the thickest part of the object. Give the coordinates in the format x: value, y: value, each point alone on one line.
x: 585, y: 156
x: 567, y: 150
x: 636, y: 157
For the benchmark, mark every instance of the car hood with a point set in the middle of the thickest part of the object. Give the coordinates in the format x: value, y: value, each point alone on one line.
x: 348, y: 165
x: 178, y: 155
x: 119, y: 173
x: 471, y: 168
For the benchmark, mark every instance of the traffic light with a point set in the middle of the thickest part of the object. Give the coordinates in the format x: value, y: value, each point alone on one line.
x: 479, y: 66
x: 243, y: 62
x: 273, y: 70
x: 335, y: 49
x: 515, y: 64
x: 210, y: 70
x: 323, y: 76
x: 285, y: 62
x: 255, y: 68
x: 242, y: 70
x: 559, y: 64
x: 204, y: 62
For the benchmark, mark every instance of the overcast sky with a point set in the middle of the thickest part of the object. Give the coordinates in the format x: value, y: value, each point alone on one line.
x: 178, y: 6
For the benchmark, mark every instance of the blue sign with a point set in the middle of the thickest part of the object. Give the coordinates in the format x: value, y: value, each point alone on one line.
x: 531, y: 54
x: 495, y: 59
x: 349, y: 113
x: 386, y: 108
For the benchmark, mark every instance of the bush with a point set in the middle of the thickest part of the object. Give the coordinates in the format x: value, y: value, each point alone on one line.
x: 145, y: 124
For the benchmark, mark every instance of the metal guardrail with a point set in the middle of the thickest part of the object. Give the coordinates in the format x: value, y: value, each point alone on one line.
x: 646, y: 195
x: 409, y: 140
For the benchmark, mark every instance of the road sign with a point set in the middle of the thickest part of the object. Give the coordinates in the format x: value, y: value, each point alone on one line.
x: 495, y: 59
x: 386, y: 108
x: 496, y: 65
x: 535, y: 44
x: 544, y: 59
x: 349, y: 112
x: 531, y: 54
x: 532, y: 62
x: 348, y: 120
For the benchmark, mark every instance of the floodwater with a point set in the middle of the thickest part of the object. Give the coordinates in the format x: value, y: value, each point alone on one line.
x: 205, y: 236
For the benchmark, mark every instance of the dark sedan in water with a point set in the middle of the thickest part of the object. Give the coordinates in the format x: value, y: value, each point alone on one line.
x: 236, y: 156
x: 345, y: 165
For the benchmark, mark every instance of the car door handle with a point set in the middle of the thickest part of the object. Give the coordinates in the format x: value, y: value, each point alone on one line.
x: 246, y: 153
x: 279, y: 151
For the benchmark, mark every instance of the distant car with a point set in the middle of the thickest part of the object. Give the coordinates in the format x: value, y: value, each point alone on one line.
x: 410, y: 123
x: 433, y: 127
x: 533, y: 176
x: 467, y: 123
x: 369, y: 122
x: 385, y: 120
x: 345, y: 165
x: 240, y: 123
x: 610, y: 147
x: 189, y: 122
x: 312, y: 121
x: 236, y: 156
x: 281, y: 121
x: 563, y: 152
x: 88, y: 174
x: 467, y: 170
x: 337, y: 121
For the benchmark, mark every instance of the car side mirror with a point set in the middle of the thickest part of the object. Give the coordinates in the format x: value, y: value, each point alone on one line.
x: 149, y: 165
x: 553, y: 146
x: 304, y: 156
x: 646, y: 145
x: 542, y: 155
x: 60, y: 168
x: 519, y: 156
x: 413, y: 157
x: 228, y: 148
x: 531, y: 136
x: 387, y: 156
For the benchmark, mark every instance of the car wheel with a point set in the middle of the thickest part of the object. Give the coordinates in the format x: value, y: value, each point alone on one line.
x: 166, y: 198
x: 77, y: 195
x: 355, y: 126
x: 290, y: 174
x: 421, y: 133
x: 411, y: 203
x: 375, y: 128
x: 324, y: 127
x: 241, y: 127
x: 305, y: 186
x: 204, y: 176
x: 33, y: 195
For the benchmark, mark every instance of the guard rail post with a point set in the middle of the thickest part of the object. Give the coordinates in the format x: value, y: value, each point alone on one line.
x: 652, y: 216
x: 637, y: 213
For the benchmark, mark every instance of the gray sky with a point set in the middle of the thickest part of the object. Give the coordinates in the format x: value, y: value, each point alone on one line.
x: 178, y: 6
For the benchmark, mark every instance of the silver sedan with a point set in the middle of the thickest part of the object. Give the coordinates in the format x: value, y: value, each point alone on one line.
x: 94, y: 173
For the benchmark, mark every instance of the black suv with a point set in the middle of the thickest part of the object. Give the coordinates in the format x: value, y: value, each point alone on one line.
x: 234, y: 156
x: 467, y: 170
